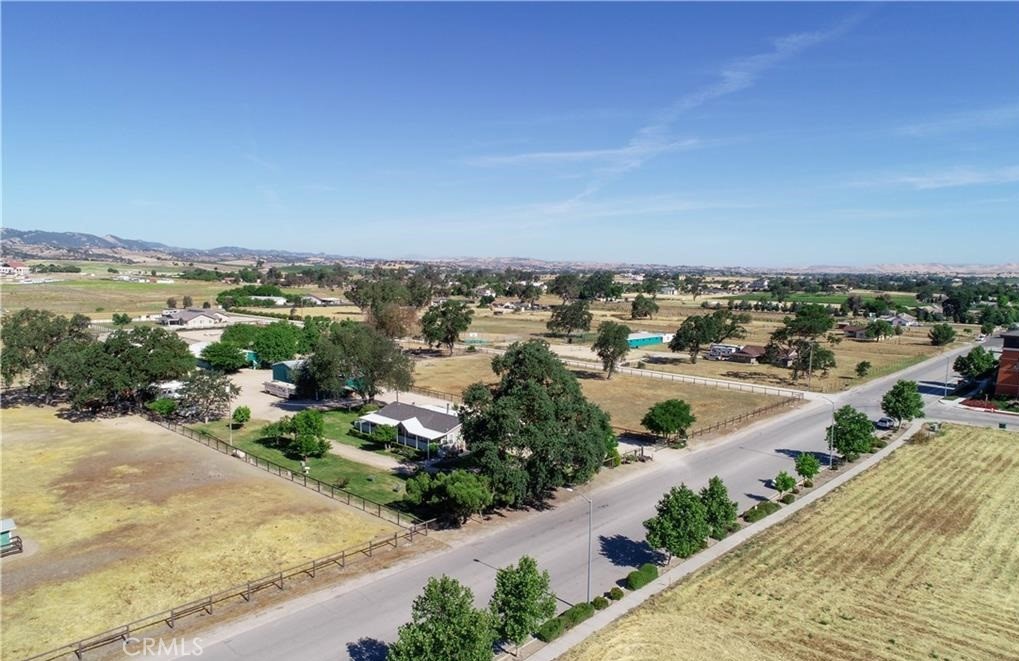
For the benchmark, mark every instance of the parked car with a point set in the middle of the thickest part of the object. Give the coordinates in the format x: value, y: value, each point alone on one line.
x: 885, y: 423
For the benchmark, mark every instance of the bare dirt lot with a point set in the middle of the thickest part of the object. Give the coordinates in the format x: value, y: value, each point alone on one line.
x: 625, y: 398
x: 130, y: 519
x: 916, y: 559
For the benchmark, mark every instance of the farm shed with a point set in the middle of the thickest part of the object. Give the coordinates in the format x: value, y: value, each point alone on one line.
x: 287, y: 370
x: 643, y: 339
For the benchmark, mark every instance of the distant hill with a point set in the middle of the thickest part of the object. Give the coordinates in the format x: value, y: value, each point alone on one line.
x: 36, y: 244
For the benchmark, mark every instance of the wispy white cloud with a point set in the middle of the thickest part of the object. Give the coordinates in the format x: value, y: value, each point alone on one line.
x: 971, y: 120
x: 628, y: 152
x: 947, y: 178
x: 657, y: 136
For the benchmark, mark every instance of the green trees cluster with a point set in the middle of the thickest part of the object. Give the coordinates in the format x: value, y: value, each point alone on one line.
x: 611, y: 345
x: 242, y: 296
x: 903, y: 402
x: 454, y: 496
x: 685, y: 520
x: 443, y: 323
x: 977, y: 362
x: 51, y: 354
x: 301, y: 435
x: 534, y: 431
x: 359, y: 357
x: 941, y: 334
x: 880, y: 329
x: 224, y: 356
x: 206, y: 395
x: 798, y: 336
x: 569, y: 318
x: 643, y: 307
x: 446, y: 626
x: 669, y: 419
x: 852, y: 434
x: 698, y: 331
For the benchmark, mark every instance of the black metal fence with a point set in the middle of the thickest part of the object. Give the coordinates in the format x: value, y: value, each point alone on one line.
x: 340, y: 494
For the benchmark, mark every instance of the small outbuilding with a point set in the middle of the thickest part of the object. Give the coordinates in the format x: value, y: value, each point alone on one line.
x: 7, y: 529
x: 643, y: 339
x: 287, y: 371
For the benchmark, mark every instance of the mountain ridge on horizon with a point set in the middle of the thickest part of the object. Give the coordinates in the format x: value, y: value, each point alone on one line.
x: 41, y: 244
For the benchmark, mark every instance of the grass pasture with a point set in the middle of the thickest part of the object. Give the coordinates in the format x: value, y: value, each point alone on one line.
x: 365, y: 481
x: 122, y: 519
x: 916, y: 559
x: 99, y: 297
x: 625, y: 398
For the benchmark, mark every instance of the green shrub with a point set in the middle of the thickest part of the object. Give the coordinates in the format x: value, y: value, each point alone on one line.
x: 576, y: 614
x: 788, y: 499
x: 761, y: 510
x: 549, y: 631
x: 615, y: 594
x: 808, y: 484
x: 878, y: 444
x: 600, y: 603
x: 637, y: 579
x: 472, y: 349
x: 163, y: 406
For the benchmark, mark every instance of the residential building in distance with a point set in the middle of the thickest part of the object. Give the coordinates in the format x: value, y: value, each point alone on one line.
x: 643, y: 339
x: 14, y: 267
x: 193, y: 318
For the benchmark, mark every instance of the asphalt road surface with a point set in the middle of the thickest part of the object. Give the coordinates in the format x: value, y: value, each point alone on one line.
x: 353, y: 621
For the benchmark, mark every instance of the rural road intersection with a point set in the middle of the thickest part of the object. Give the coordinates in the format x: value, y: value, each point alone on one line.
x: 353, y: 619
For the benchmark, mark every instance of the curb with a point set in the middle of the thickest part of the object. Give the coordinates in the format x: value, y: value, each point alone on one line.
x: 633, y: 599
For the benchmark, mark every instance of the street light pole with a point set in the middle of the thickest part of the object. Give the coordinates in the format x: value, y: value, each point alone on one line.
x: 831, y: 435
x: 590, y: 533
x: 947, y: 363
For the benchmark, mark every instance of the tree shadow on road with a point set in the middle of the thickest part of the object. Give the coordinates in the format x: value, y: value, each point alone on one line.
x: 756, y: 496
x: 820, y: 456
x: 368, y: 649
x: 625, y: 552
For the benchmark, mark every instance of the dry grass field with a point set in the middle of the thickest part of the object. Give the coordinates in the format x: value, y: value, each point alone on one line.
x: 99, y: 298
x: 122, y: 519
x: 916, y: 559
x: 625, y: 398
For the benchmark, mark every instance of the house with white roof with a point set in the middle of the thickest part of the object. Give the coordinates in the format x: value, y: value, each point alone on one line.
x: 416, y: 425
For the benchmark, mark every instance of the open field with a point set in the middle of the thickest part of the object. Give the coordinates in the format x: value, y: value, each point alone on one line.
x: 99, y: 298
x: 915, y: 559
x: 898, y: 298
x: 121, y: 519
x: 365, y: 481
x: 625, y: 398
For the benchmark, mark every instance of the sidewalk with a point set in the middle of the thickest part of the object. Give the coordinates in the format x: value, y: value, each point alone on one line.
x: 632, y: 600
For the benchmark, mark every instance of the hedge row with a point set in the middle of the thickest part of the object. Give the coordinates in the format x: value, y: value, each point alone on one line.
x: 566, y: 620
x: 761, y: 510
x: 641, y: 577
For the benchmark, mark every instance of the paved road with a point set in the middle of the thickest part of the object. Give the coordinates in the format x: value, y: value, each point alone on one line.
x: 330, y: 624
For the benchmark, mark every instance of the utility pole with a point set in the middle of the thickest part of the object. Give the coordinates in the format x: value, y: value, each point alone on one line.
x: 810, y: 363
x: 947, y: 362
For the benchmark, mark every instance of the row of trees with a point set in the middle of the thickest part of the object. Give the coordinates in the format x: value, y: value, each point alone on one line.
x: 280, y: 340
x: 446, y: 625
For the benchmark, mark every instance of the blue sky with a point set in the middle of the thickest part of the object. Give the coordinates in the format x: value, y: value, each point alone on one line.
x: 715, y: 134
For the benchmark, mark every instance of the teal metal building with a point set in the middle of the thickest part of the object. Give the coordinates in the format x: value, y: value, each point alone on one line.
x: 643, y: 339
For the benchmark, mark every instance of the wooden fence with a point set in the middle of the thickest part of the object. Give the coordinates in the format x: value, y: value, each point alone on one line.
x: 642, y: 435
x: 241, y: 591
x: 340, y: 494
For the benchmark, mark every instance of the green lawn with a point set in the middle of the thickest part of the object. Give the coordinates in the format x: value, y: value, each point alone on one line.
x: 379, y: 486
x: 338, y: 428
x: 906, y: 300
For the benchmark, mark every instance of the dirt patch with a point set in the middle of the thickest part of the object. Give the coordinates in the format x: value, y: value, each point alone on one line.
x: 131, y: 519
